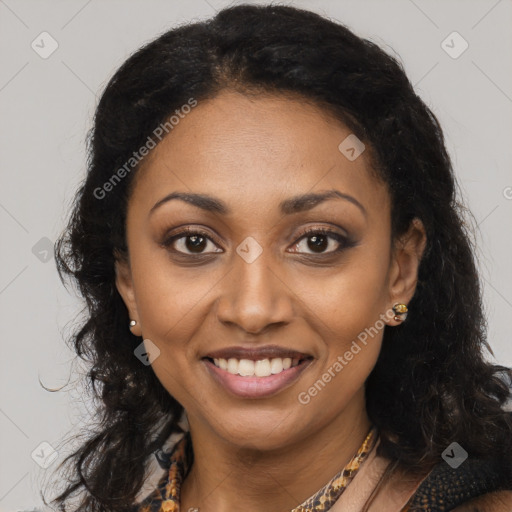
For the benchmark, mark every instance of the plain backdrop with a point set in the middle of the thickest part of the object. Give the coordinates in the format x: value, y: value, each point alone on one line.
x: 47, y: 106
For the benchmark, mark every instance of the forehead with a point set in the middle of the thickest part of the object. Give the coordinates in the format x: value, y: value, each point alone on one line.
x: 256, y: 149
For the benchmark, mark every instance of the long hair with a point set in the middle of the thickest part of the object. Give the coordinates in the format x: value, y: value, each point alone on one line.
x: 431, y: 384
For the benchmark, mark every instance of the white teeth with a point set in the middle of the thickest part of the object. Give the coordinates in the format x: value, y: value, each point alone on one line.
x: 260, y: 368
x: 246, y: 367
x: 233, y: 366
x: 276, y: 366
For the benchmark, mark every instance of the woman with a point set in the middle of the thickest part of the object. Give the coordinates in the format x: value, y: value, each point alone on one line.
x: 266, y: 202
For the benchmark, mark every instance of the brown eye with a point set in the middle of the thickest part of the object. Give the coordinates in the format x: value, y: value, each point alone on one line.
x: 195, y: 243
x: 190, y: 242
x: 318, y: 241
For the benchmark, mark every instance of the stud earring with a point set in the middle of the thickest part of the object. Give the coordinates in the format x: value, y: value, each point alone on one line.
x: 133, y: 323
x: 400, y: 312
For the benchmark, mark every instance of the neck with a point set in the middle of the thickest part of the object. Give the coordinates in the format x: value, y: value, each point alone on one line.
x: 225, y: 476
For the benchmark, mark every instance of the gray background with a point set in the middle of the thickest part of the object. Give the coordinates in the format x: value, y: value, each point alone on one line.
x: 47, y: 107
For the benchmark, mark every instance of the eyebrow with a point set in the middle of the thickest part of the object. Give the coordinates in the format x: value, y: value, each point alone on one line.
x: 289, y: 206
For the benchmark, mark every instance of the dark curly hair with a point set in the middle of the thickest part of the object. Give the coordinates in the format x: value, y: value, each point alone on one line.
x: 431, y: 385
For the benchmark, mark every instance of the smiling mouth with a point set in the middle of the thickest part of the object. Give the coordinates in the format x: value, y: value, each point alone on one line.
x: 257, y: 368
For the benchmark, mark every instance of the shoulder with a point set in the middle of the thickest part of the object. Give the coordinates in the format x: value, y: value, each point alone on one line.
x: 459, y: 488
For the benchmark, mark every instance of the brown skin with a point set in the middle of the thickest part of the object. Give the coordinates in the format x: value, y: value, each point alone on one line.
x: 268, y: 453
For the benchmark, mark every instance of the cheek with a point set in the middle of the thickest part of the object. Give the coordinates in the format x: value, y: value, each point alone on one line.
x: 351, y: 299
x: 170, y: 304
x: 352, y: 340
x: 169, y: 297
x: 349, y: 308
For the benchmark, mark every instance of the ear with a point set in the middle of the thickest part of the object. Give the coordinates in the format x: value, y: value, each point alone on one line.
x: 124, y: 285
x: 406, y: 257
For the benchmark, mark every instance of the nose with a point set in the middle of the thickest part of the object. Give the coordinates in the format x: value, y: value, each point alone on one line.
x: 255, y: 296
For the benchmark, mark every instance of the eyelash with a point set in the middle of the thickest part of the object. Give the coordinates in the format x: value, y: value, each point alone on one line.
x: 344, y: 242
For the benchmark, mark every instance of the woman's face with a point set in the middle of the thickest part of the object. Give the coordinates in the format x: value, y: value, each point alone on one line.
x: 247, y: 276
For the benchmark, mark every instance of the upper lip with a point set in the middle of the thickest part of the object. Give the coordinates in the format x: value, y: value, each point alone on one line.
x: 256, y: 354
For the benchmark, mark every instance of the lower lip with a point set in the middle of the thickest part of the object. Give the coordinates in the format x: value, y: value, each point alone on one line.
x: 256, y: 387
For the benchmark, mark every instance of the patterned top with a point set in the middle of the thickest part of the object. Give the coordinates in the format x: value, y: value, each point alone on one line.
x: 166, y: 498
x: 448, y: 487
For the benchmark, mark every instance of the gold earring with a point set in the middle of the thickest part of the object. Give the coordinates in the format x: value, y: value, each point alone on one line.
x: 400, y: 312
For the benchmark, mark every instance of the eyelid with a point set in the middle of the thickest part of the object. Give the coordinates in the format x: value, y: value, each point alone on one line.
x: 183, y: 233
x: 343, y: 241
